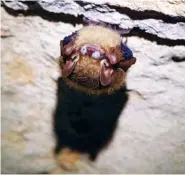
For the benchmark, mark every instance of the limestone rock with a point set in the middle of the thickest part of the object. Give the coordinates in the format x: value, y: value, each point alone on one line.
x: 160, y: 18
x: 150, y: 136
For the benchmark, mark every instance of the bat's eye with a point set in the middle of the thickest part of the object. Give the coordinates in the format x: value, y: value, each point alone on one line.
x: 96, y: 55
x: 74, y: 57
x: 105, y: 63
x: 83, y: 50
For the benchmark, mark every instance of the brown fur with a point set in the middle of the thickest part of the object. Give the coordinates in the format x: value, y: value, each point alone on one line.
x: 117, y: 51
x: 117, y: 84
x: 90, y: 68
x: 104, y: 37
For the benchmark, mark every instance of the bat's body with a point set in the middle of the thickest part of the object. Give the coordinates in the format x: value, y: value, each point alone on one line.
x: 85, y: 123
x: 91, y: 92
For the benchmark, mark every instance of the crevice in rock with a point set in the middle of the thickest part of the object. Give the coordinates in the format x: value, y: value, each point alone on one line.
x: 133, y: 92
x: 133, y: 14
x: 36, y: 10
x: 136, y: 15
x: 178, y: 59
x: 154, y: 38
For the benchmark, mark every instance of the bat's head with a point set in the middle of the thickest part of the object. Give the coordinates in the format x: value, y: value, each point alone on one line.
x: 95, y: 59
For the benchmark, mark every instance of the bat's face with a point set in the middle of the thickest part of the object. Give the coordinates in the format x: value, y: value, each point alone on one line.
x: 95, y: 58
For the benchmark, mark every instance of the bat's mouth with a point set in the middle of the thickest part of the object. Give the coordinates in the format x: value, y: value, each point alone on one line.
x: 110, y: 63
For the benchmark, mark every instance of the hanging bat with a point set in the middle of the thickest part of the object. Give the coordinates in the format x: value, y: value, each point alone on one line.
x: 91, y: 92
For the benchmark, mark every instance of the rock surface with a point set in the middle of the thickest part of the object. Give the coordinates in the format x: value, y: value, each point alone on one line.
x: 136, y: 17
x: 150, y: 136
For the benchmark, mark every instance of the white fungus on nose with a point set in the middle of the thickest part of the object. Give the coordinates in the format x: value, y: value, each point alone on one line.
x: 96, y: 55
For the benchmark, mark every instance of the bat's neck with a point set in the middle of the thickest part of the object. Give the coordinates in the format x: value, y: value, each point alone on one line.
x: 107, y: 90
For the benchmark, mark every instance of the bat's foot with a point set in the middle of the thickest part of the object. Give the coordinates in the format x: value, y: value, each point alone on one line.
x: 68, y: 159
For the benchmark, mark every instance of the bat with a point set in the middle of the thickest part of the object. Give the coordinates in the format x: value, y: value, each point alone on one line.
x: 91, y: 92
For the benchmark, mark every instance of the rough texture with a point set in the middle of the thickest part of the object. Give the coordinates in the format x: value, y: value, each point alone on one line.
x: 166, y: 6
x: 150, y: 137
x: 151, y: 21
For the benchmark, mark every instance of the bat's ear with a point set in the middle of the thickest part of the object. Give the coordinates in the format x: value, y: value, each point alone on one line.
x: 61, y: 47
x: 126, y: 64
x: 105, y: 73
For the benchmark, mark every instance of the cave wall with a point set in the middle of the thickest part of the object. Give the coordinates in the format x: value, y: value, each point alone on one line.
x: 150, y: 136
